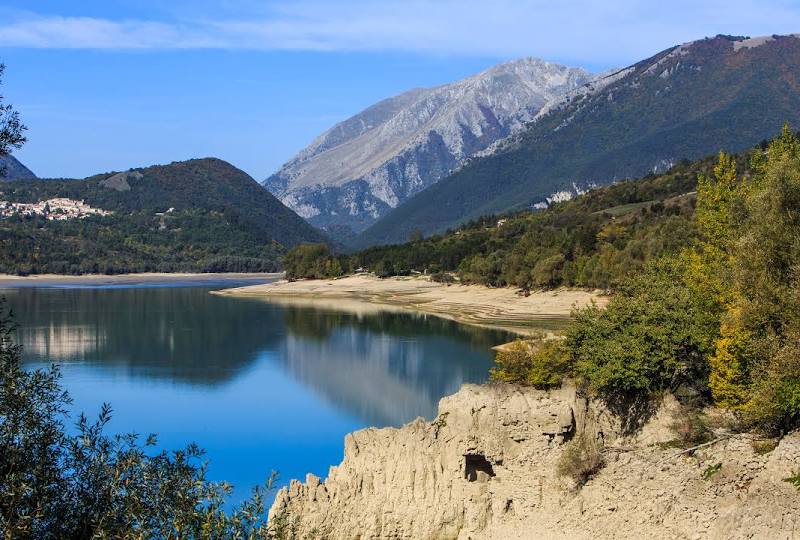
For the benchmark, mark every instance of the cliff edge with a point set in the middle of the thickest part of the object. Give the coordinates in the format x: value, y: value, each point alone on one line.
x: 486, y: 468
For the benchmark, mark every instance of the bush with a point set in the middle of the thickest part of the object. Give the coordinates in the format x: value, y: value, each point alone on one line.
x: 775, y: 403
x: 690, y: 428
x: 443, y: 277
x: 581, y: 459
x: 651, y: 337
x: 541, y: 365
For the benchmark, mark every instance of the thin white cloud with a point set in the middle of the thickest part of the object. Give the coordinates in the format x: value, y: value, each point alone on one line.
x: 607, y: 31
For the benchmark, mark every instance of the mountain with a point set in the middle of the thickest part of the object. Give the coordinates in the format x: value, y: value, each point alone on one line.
x: 686, y: 102
x: 361, y: 168
x: 12, y: 169
x: 196, y: 215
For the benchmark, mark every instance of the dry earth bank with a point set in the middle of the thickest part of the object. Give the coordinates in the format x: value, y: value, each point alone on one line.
x: 470, y: 304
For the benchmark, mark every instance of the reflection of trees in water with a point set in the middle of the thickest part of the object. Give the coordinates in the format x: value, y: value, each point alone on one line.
x: 389, y: 368
x: 385, y: 368
x: 177, y: 333
x: 319, y: 323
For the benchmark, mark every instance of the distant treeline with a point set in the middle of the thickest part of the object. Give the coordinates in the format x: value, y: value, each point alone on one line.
x: 182, y: 241
x: 594, y: 240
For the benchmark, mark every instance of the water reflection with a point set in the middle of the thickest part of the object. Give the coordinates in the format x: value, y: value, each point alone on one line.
x: 381, y: 368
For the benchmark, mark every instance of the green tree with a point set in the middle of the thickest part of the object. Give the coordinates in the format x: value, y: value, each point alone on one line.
x: 652, y: 336
x: 541, y: 365
x: 310, y: 261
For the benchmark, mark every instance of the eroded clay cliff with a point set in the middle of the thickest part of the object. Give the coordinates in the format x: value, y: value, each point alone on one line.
x: 486, y: 468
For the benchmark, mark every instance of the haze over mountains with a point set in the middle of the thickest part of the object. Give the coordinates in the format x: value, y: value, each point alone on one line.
x: 685, y: 102
x: 361, y: 168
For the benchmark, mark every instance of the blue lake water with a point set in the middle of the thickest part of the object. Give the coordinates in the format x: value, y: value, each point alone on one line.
x: 260, y: 386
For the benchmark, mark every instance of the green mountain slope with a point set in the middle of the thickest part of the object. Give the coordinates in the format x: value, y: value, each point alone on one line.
x: 686, y: 102
x: 197, y: 215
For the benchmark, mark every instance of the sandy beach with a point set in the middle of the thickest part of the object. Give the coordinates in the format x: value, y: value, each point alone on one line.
x: 471, y: 304
x: 98, y: 280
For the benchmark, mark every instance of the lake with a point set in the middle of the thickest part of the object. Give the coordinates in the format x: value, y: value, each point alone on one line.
x: 260, y: 386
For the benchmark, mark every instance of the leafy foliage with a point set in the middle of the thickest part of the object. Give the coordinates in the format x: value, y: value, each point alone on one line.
x: 794, y: 480
x: 719, y: 320
x: 54, y: 484
x: 651, y: 337
x: 12, y: 130
x: 710, y: 471
x: 542, y: 366
x: 311, y: 261
x: 725, y: 312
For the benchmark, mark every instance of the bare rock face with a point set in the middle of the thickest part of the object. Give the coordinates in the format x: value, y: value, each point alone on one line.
x: 486, y: 468
x: 368, y: 164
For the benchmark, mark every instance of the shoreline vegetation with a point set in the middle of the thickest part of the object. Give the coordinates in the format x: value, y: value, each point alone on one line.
x: 501, y: 308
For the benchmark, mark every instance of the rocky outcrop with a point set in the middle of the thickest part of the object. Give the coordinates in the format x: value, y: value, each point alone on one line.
x: 485, y: 468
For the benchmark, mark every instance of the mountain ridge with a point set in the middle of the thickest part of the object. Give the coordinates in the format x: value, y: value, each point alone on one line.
x: 726, y: 92
x: 362, y: 167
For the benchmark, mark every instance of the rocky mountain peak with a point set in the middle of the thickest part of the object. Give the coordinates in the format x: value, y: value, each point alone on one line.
x: 368, y: 164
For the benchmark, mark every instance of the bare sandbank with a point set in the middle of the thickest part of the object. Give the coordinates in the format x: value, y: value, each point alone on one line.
x: 502, y: 307
x: 98, y: 280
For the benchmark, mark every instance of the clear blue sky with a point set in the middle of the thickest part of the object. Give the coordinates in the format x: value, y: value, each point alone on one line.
x: 106, y: 85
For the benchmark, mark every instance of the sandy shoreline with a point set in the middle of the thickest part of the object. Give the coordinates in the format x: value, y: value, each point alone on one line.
x: 470, y: 304
x: 57, y: 280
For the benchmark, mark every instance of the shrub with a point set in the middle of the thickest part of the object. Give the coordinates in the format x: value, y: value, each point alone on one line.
x: 542, y: 366
x: 775, y: 403
x: 764, y: 446
x: 794, y: 479
x: 443, y: 277
x: 650, y: 337
x: 581, y: 459
x: 690, y: 428
x: 711, y: 471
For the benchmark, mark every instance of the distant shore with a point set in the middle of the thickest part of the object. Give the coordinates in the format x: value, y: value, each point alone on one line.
x: 99, y: 280
x: 503, y: 308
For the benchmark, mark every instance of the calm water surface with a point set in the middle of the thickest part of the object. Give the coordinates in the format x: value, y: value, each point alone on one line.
x: 259, y: 386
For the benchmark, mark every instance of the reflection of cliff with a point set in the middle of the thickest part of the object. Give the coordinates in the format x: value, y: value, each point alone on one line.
x: 386, y: 369
x: 183, y: 334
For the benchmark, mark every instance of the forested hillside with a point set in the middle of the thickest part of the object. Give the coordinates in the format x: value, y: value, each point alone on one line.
x: 197, y: 215
x: 594, y: 240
